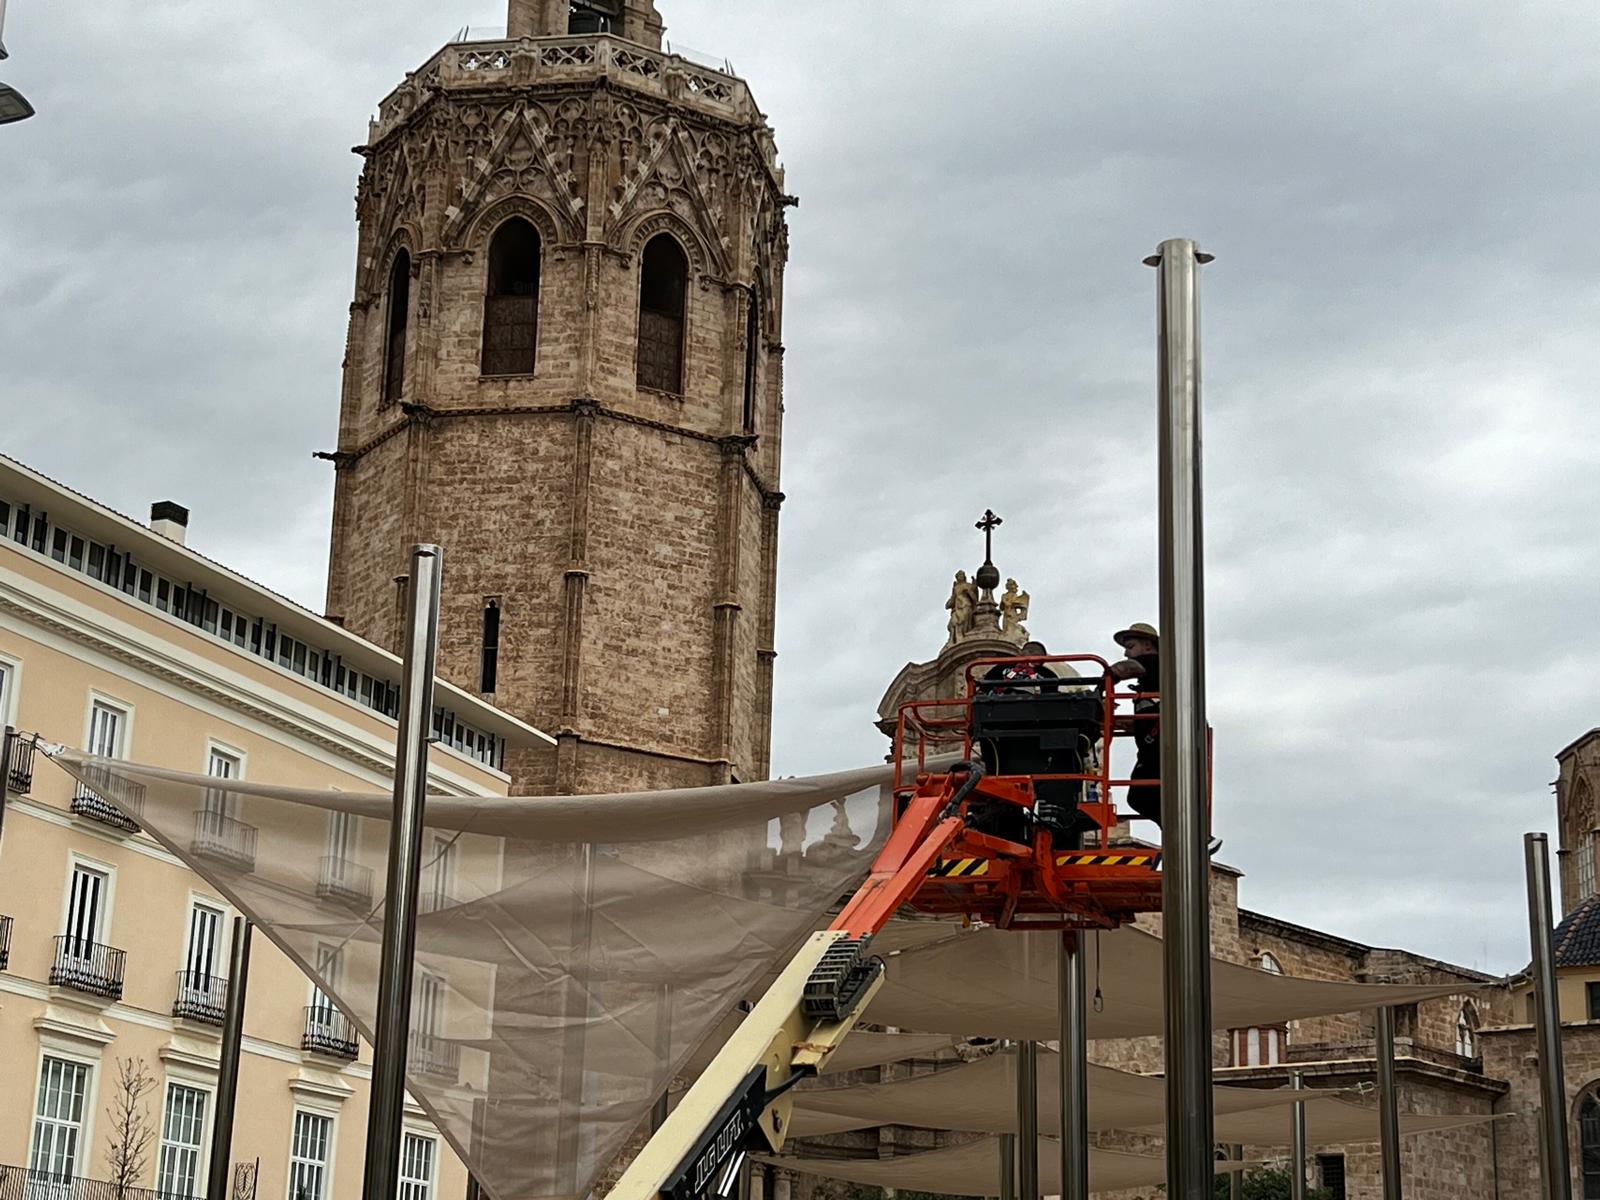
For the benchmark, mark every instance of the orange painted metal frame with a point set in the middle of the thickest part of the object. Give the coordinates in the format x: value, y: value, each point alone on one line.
x: 936, y: 863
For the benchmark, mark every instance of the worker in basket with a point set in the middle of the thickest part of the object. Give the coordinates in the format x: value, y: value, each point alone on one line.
x: 1025, y: 752
x: 1141, y: 645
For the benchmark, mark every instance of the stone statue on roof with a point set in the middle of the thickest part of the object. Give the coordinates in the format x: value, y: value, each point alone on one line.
x: 963, y: 600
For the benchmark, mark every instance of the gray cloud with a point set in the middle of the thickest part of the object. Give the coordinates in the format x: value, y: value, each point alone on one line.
x: 1401, y: 446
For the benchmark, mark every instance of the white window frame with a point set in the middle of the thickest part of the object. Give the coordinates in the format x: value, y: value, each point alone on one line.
x: 442, y: 872
x: 201, y: 1148
x: 322, y: 954
x: 235, y: 759
x: 223, y: 944
x: 10, y: 685
x: 84, y: 1148
x: 122, y: 708
x: 1586, y: 864
x: 102, y: 933
x: 325, y: 1192
x: 413, y: 1186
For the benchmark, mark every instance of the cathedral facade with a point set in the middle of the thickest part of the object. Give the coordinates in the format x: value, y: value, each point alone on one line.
x: 564, y: 366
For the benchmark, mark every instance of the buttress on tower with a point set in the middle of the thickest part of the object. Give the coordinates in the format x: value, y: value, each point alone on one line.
x: 564, y: 366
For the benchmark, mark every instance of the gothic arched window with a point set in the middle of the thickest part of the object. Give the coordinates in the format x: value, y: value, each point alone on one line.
x: 663, y: 288
x: 1589, y: 1145
x: 1467, y: 1031
x: 511, y: 300
x: 1582, y: 825
x: 752, y: 352
x: 394, y: 342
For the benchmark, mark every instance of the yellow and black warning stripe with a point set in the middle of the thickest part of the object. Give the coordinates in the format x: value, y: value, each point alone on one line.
x: 1092, y: 858
x: 952, y: 868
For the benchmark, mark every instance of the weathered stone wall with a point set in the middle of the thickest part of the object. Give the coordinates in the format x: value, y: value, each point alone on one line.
x: 1577, y: 816
x: 1510, y: 1053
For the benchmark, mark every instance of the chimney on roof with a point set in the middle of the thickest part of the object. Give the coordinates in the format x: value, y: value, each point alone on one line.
x: 169, y: 519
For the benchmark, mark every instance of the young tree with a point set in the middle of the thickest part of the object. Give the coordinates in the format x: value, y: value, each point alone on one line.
x: 132, y: 1130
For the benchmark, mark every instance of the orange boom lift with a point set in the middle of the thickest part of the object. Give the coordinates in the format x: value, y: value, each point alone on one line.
x: 1004, y: 805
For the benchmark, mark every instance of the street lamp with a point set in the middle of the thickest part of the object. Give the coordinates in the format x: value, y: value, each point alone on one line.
x: 13, y: 105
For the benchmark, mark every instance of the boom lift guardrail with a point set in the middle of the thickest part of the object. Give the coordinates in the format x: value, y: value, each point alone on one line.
x: 996, y: 837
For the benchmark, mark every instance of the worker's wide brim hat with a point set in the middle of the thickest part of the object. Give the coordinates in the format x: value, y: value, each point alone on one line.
x: 1137, y: 630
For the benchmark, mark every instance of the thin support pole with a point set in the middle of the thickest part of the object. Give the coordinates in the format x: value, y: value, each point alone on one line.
x: 1555, y: 1155
x: 1008, y: 1166
x: 1236, y: 1177
x: 228, y: 1064
x: 1388, y: 1107
x: 1297, y: 1142
x: 386, y: 1107
x: 1027, y: 1120
x: 1074, y: 1064
x: 1185, y: 864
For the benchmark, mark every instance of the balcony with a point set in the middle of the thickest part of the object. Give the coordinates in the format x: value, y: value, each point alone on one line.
x: 5, y: 942
x: 201, y: 996
x: 88, y: 967
x: 19, y: 1183
x: 90, y: 804
x: 328, y: 1031
x: 18, y: 760
x: 585, y: 59
x: 341, y: 879
x: 224, y: 840
x: 433, y: 1055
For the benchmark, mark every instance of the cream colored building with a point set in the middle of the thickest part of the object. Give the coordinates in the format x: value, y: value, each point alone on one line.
x: 115, y: 637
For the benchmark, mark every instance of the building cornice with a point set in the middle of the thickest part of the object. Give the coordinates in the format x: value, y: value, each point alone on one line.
x: 196, y: 678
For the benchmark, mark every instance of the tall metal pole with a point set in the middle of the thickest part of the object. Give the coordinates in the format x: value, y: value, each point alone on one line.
x: 1008, y: 1172
x: 1185, y: 865
x: 1074, y: 1064
x: 228, y: 1064
x: 405, y: 862
x: 1297, y: 1142
x: 1388, y: 1107
x: 1027, y: 1120
x: 1235, y: 1178
x: 1554, y: 1158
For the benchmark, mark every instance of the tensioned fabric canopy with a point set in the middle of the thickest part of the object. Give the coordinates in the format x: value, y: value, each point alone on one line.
x: 1003, y: 984
x: 574, y: 951
x: 981, y: 1097
x: 580, y: 952
x: 973, y: 1169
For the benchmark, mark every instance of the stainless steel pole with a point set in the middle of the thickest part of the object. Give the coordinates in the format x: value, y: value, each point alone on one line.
x: 1297, y: 1143
x: 1185, y: 865
x: 1008, y: 1171
x: 405, y: 861
x: 1074, y: 1064
x: 1555, y: 1157
x: 228, y: 1064
x: 1027, y: 1120
x: 1235, y: 1178
x: 1388, y: 1107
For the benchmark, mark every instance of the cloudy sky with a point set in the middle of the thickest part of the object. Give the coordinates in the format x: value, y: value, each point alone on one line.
x: 1400, y: 328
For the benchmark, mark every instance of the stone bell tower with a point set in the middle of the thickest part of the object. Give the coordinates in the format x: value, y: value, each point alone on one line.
x: 564, y: 366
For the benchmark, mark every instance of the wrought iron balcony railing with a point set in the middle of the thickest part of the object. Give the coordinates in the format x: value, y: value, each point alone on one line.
x: 5, y: 942
x: 328, y: 1031
x: 90, y: 804
x: 201, y: 996
x: 341, y: 879
x: 86, y: 966
x: 19, y: 1183
x: 18, y: 761
x: 224, y: 840
x: 433, y: 1055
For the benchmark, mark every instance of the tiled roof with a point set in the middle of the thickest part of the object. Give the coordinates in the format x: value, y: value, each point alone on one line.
x: 1577, y: 938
